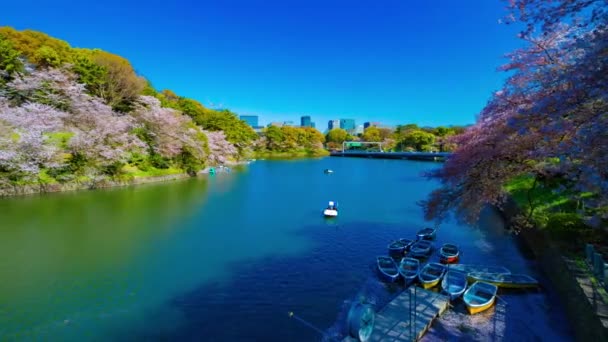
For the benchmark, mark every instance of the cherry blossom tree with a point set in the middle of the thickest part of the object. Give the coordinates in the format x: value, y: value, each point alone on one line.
x: 549, y: 120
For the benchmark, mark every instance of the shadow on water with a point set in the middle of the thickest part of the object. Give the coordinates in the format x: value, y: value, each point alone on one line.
x: 254, y: 303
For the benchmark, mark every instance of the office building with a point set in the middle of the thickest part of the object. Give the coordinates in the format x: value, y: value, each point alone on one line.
x: 348, y: 125
x: 251, y: 120
x: 305, y: 121
x: 359, y: 129
x: 288, y: 123
x: 333, y: 124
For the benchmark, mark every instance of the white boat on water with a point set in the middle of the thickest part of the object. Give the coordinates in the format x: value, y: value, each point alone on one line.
x: 331, y: 210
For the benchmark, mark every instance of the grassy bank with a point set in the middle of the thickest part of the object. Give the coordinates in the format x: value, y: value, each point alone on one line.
x: 561, y: 215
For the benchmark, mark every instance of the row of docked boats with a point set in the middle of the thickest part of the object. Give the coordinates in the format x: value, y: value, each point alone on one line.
x: 448, y: 253
x: 477, y: 284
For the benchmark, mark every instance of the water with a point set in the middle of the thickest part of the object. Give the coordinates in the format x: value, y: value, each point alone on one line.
x: 225, y: 258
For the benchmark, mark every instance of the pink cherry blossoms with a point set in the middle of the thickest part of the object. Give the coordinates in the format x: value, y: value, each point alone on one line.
x: 47, y: 119
x: 549, y: 120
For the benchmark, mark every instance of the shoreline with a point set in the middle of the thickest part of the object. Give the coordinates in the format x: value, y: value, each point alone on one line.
x: 586, y: 324
x: 7, y: 190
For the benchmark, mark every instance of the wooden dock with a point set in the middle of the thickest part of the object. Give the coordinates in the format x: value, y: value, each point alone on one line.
x: 392, y: 323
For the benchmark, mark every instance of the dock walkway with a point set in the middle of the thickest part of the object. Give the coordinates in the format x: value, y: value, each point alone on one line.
x: 392, y: 323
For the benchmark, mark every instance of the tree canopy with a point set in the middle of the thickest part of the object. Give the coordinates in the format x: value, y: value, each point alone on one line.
x: 549, y: 121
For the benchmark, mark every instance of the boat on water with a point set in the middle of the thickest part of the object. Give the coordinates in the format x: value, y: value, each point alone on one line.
x: 454, y: 283
x: 471, y: 268
x: 514, y: 281
x: 331, y: 210
x: 421, y: 249
x: 427, y: 233
x: 449, y: 253
x: 388, y: 269
x: 431, y: 274
x: 479, y: 297
x: 409, y: 269
x: 398, y: 247
x: 328, y: 171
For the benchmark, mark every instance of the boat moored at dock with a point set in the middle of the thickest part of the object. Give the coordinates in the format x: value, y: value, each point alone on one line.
x: 409, y: 269
x: 421, y: 249
x: 431, y: 274
x: 427, y: 233
x: 479, y: 297
x: 398, y: 247
x: 470, y: 268
x: 454, y: 283
x: 388, y: 269
x: 449, y: 253
x: 514, y: 281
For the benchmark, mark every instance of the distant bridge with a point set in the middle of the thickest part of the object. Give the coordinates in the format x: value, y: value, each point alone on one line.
x: 430, y: 156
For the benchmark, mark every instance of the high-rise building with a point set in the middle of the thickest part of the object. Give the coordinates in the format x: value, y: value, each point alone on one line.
x: 275, y: 123
x: 251, y: 120
x: 333, y: 124
x: 371, y: 124
x: 305, y: 121
x: 359, y: 129
x: 312, y: 124
x: 348, y: 125
x: 288, y: 123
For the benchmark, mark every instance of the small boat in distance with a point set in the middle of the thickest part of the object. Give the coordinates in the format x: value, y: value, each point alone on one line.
x: 388, y: 269
x: 479, y: 297
x: 470, y: 268
x: 421, y: 249
x: 514, y: 281
x: 449, y: 253
x: 409, y: 269
x: 331, y: 210
x: 328, y: 171
x: 431, y: 274
x: 454, y: 283
x: 398, y: 247
x: 426, y: 233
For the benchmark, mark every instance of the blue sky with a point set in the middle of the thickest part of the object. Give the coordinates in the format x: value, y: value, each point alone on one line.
x: 429, y: 62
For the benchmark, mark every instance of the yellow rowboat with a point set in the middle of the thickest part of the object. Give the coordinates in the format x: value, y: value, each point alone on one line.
x: 479, y: 297
x: 430, y: 275
x: 514, y: 281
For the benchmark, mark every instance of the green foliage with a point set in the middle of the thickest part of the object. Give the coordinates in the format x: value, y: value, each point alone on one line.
x: 120, y: 85
x: 569, y: 227
x: 417, y: 139
x: 372, y: 134
x: 59, y: 139
x: 45, y: 178
x: 89, y: 73
x: 291, y: 141
x: 9, y: 58
x: 28, y: 42
x: 189, y: 162
x: 337, y: 135
x: 46, y: 57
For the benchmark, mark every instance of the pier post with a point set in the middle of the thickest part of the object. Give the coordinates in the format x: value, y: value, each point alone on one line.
x: 598, y: 266
x: 589, y: 253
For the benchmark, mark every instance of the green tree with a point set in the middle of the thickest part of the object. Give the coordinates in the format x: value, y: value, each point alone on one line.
x: 47, y: 57
x: 120, y: 85
x: 372, y: 134
x: 418, y: 140
x: 337, y: 136
x: 9, y: 58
